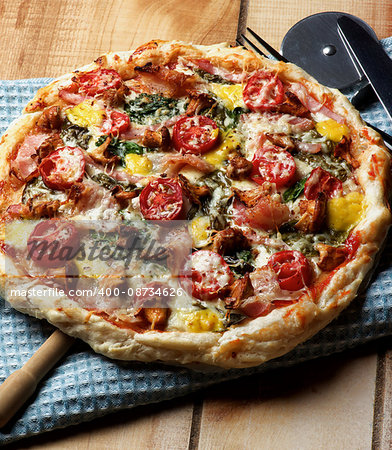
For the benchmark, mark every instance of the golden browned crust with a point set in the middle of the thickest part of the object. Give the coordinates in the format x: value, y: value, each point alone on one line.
x: 261, y: 339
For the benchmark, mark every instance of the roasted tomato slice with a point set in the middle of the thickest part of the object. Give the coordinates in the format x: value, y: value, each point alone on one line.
x: 53, y: 242
x: 274, y: 165
x: 322, y: 181
x: 64, y: 167
x: 98, y: 81
x: 263, y: 92
x: 161, y: 199
x: 206, y: 274
x: 196, y: 134
x: 115, y: 123
x: 292, y: 268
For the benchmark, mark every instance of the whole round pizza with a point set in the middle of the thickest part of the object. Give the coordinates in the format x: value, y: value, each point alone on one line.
x: 267, y: 191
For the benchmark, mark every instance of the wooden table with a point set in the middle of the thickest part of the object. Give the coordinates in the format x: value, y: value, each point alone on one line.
x: 338, y: 402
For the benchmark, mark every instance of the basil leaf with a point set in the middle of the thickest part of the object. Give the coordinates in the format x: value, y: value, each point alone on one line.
x: 122, y: 148
x: 210, y: 77
x: 293, y: 192
x: 240, y: 263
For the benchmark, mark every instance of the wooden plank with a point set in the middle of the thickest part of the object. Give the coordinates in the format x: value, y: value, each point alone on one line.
x: 272, y: 20
x: 41, y: 38
x: 382, y: 429
x: 162, y: 426
x: 320, y: 404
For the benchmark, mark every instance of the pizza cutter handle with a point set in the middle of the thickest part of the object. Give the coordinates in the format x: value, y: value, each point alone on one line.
x: 21, y: 384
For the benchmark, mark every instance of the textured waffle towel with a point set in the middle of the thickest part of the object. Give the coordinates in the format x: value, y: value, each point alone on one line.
x: 85, y: 385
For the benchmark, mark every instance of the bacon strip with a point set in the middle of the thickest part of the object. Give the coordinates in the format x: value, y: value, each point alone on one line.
x: 207, y: 66
x: 308, y: 147
x: 312, y: 104
x: 161, y: 79
x: 173, y: 163
x: 24, y: 165
x: 267, y: 214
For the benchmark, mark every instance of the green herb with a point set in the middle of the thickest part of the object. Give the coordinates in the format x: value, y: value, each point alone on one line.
x: 103, y: 236
x: 293, y: 192
x: 122, y: 148
x: 240, y: 263
x: 245, y: 255
x: 216, y: 205
x: 108, y: 182
x: 210, y: 77
x: 153, y: 108
x: 75, y: 135
x: 305, y: 243
x: 337, y: 167
x: 224, y: 117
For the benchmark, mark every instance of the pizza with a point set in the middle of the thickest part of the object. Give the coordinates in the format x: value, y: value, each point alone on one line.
x: 279, y: 189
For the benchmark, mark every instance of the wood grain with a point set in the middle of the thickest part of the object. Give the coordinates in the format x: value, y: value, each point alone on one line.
x: 321, y: 404
x: 41, y: 38
x: 272, y: 20
x: 382, y: 429
x: 163, y: 426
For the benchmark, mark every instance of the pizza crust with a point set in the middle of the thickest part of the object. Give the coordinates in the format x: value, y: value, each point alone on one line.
x: 260, y: 339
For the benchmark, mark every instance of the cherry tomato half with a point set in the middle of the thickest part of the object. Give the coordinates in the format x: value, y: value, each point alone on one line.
x: 62, y: 168
x: 98, y: 81
x: 115, y: 123
x: 293, y: 269
x: 53, y: 242
x: 207, y: 273
x: 274, y: 165
x: 322, y: 181
x: 263, y: 92
x: 161, y: 199
x: 195, y: 134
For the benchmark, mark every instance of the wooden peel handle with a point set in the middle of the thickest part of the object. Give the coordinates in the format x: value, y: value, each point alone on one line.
x: 20, y: 385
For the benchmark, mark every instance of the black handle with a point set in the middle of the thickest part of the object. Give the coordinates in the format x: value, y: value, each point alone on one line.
x: 363, y: 97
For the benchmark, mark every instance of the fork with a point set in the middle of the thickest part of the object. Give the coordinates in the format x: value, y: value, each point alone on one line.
x: 273, y: 52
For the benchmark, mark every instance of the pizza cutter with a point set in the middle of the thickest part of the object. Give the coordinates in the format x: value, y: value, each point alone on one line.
x: 315, y: 45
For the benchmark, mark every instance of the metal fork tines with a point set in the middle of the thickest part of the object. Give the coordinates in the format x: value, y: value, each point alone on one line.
x: 264, y: 43
x: 273, y: 52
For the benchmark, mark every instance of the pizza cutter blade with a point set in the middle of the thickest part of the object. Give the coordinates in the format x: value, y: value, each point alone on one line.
x: 315, y: 45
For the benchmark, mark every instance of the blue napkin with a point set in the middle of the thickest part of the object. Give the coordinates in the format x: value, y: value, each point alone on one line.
x: 85, y: 385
